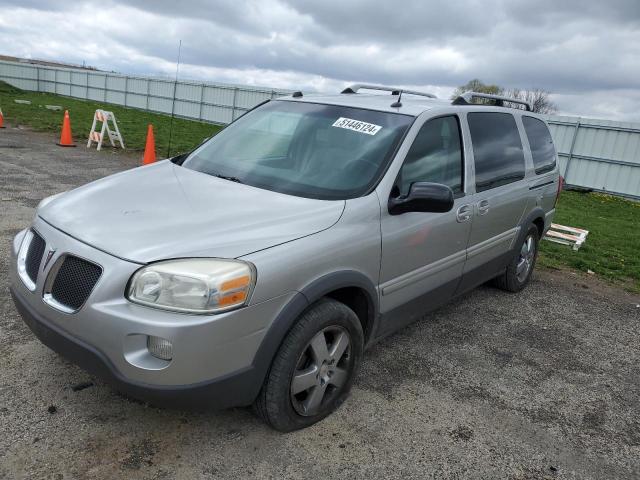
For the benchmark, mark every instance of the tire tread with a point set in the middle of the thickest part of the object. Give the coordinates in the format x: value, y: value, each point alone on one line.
x: 507, y: 280
x: 268, y: 404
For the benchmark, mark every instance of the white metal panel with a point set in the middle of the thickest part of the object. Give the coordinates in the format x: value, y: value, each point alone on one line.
x: 24, y: 84
x: 188, y: 91
x: 218, y: 95
x: 187, y: 109
x: 31, y: 72
x: 63, y: 76
x: 138, y: 85
x: 248, y: 99
x: 78, y: 91
x: 46, y: 86
x: 603, y: 176
x: 63, y: 89
x: 562, y: 163
x: 562, y: 136
x: 97, y: 80
x: 47, y: 74
x: 96, y: 94
x: 217, y: 114
x: 79, y: 78
x: 601, y: 154
x: 161, y: 88
x: 160, y: 104
x: 137, y: 101
x: 114, y: 96
x: 28, y: 72
x: 116, y: 83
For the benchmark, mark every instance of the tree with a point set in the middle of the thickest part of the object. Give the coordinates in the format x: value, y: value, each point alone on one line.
x: 539, y: 99
x: 476, y: 85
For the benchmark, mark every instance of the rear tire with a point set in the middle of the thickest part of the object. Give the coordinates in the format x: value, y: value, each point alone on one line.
x: 312, y: 372
x: 519, y: 271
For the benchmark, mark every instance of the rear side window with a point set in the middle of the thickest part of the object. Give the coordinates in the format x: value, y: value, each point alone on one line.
x: 435, y: 156
x: 542, y: 149
x: 497, y: 149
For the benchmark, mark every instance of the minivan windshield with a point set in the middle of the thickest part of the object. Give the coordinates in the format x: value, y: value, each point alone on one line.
x: 306, y: 149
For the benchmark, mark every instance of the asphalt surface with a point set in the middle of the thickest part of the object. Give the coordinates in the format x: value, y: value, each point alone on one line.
x: 542, y: 384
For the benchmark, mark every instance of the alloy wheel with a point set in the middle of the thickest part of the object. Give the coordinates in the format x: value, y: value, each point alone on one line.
x: 525, y: 258
x: 321, y: 371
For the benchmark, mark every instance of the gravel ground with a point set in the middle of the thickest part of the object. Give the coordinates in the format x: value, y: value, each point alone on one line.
x: 543, y: 384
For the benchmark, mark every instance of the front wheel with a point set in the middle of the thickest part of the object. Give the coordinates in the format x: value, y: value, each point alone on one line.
x: 313, y: 371
x: 519, y: 270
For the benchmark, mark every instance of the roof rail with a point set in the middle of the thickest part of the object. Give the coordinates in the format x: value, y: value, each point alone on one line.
x: 394, y: 90
x: 467, y: 97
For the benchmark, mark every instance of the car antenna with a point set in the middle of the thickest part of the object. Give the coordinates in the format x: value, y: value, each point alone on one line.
x: 397, y: 103
x: 173, y: 103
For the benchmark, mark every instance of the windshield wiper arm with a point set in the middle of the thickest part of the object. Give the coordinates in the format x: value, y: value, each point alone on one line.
x: 226, y: 177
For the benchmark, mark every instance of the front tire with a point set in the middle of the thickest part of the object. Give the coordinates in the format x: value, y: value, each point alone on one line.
x: 312, y: 373
x: 519, y: 271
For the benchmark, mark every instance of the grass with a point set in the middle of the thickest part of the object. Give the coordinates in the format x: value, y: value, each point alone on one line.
x: 132, y: 122
x: 612, y: 249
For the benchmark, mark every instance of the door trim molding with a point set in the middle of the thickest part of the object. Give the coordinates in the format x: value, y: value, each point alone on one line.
x: 423, y: 272
x: 485, y: 245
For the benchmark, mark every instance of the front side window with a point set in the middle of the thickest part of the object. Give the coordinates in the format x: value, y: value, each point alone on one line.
x: 305, y: 149
x: 542, y: 149
x: 497, y: 149
x: 435, y: 156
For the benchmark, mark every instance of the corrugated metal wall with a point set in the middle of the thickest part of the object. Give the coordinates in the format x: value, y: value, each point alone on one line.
x: 602, y: 155
x: 208, y: 102
x: 597, y: 154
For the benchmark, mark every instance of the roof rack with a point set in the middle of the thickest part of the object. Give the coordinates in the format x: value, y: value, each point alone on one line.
x: 394, y: 90
x: 467, y: 97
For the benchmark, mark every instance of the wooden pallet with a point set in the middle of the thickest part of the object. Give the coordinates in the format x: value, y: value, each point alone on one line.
x: 575, y: 236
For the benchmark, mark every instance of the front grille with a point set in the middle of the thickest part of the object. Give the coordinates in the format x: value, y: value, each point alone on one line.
x: 74, y: 281
x: 34, y: 256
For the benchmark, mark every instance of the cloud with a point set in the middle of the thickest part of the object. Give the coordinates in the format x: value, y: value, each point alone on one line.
x: 586, y: 53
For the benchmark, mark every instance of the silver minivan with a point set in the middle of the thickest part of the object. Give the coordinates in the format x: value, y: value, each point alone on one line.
x: 256, y: 269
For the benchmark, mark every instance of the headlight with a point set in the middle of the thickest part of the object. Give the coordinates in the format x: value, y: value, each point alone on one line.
x: 195, y: 285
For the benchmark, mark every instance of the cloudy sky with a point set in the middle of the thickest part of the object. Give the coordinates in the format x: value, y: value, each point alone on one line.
x: 586, y: 52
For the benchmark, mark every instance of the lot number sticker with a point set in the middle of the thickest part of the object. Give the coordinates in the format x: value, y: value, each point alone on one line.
x: 357, y: 126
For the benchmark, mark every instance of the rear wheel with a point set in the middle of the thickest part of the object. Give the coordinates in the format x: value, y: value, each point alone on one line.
x: 314, y: 368
x: 518, y: 272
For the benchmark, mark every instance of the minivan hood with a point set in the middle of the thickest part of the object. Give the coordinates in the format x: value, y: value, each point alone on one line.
x: 167, y: 211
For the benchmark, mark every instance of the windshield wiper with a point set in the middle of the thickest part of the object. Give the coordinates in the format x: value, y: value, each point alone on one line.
x: 225, y: 177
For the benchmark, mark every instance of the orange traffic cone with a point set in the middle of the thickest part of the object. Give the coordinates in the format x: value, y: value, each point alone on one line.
x: 149, y: 147
x: 66, y: 140
x: 1, y: 119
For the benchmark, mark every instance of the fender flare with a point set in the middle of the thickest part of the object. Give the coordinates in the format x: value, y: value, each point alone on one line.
x: 537, y: 212
x: 342, y: 279
x: 302, y: 300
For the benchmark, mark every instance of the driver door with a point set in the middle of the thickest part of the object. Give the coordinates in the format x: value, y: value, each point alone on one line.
x: 423, y: 254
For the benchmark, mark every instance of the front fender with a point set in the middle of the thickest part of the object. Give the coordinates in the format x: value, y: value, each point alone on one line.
x: 302, y: 300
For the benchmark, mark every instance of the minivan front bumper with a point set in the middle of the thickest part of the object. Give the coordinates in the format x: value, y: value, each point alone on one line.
x: 236, y: 389
x: 213, y: 355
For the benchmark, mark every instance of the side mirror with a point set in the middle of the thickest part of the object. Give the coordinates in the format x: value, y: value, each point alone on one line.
x: 423, y: 197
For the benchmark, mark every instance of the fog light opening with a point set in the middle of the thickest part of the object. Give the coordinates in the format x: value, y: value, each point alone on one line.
x: 160, y: 347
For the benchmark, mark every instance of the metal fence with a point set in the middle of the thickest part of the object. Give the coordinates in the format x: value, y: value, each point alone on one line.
x: 596, y: 154
x: 600, y: 155
x: 208, y: 102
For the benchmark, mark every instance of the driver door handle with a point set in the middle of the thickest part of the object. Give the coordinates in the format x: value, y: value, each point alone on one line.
x: 483, y: 207
x: 463, y: 214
